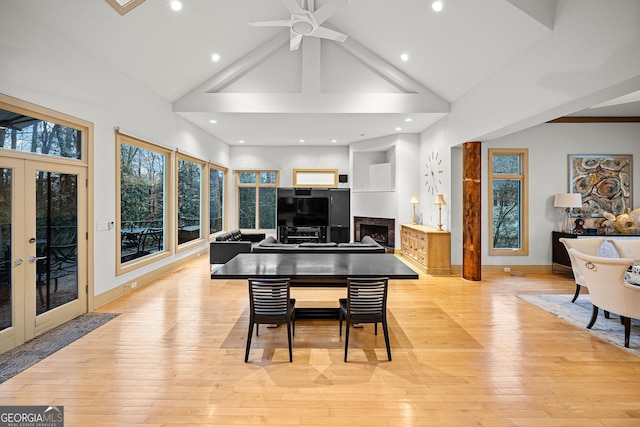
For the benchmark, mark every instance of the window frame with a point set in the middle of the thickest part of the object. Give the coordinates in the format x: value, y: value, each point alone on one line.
x: 257, y: 185
x: 180, y: 247
x: 125, y: 267
x: 225, y: 171
x: 127, y: 7
x: 523, y: 178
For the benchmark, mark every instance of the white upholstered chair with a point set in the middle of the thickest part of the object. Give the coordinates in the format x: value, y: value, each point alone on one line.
x: 608, y: 290
x: 627, y: 248
x: 589, y: 246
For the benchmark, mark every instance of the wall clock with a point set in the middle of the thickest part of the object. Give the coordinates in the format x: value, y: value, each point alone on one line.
x: 434, y: 172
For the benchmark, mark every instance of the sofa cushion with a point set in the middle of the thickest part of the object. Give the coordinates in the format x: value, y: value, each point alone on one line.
x: 608, y: 250
x: 357, y: 245
x: 318, y: 245
x: 632, y: 276
x: 268, y: 240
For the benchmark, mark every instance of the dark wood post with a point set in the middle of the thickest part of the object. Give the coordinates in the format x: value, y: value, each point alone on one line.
x: 471, y: 211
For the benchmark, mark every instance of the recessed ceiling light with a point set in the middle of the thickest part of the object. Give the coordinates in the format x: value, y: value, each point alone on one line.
x: 398, y: 129
x: 404, y: 57
x: 176, y: 5
x: 333, y: 141
x: 302, y: 140
x: 215, y: 57
x: 241, y: 141
x: 408, y: 119
x: 437, y: 6
x: 213, y: 121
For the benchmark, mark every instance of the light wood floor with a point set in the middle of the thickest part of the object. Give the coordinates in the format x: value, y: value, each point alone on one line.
x: 464, y: 354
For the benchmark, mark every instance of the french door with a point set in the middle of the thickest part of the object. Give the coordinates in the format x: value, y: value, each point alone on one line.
x: 43, y: 247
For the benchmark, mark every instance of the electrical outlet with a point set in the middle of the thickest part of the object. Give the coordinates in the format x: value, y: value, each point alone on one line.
x: 134, y: 284
x: 507, y: 269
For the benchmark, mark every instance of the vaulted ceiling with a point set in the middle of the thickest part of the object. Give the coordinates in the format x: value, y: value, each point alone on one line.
x: 325, y: 92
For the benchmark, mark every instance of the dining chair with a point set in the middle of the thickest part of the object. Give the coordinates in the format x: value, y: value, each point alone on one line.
x: 608, y: 290
x: 366, y: 302
x: 270, y: 303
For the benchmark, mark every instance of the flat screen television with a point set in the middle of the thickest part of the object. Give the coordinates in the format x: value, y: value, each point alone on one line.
x: 303, y: 211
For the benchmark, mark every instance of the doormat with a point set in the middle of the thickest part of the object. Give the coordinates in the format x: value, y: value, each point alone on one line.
x: 579, y: 314
x: 20, y: 358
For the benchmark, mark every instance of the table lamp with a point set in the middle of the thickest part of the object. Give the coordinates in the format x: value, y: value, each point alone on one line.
x: 414, y: 201
x: 567, y: 201
x: 440, y: 203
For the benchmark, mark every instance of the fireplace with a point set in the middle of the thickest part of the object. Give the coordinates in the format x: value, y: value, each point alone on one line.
x: 382, y: 230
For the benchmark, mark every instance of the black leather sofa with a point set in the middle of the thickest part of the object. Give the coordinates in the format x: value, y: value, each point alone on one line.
x: 366, y: 245
x: 232, y: 243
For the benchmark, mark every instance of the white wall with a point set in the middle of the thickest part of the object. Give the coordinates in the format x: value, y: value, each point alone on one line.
x: 390, y: 204
x: 534, y: 88
x: 49, y: 71
x: 284, y: 159
x: 549, y: 147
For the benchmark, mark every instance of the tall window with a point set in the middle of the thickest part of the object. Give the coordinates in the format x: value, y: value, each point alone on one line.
x: 189, y: 199
x: 508, y: 202
x: 217, y: 182
x: 142, y: 213
x: 256, y: 199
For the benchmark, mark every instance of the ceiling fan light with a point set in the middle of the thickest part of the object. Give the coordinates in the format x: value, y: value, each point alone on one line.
x: 302, y: 27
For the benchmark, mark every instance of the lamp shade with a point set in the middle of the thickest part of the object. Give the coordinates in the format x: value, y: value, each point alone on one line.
x: 440, y: 200
x: 568, y: 200
x: 414, y: 200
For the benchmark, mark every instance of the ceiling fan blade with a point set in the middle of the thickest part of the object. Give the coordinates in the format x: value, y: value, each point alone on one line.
x: 294, y: 43
x: 294, y: 7
x: 328, y: 9
x: 270, y: 23
x: 326, y: 33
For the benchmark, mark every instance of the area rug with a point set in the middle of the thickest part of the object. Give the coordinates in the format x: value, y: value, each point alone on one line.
x: 20, y: 358
x: 579, y: 314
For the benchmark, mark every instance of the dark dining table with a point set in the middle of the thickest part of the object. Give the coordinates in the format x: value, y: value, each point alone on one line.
x: 314, y: 270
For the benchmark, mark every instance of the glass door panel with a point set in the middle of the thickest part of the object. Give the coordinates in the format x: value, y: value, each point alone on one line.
x: 56, y: 239
x: 12, y: 265
x: 6, y: 311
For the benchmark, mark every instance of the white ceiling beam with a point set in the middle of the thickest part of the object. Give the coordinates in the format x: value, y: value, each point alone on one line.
x: 243, y: 65
x: 301, y: 103
x: 387, y: 70
x: 311, y: 65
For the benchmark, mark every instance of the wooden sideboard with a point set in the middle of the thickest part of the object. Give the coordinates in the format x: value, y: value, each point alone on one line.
x: 429, y: 249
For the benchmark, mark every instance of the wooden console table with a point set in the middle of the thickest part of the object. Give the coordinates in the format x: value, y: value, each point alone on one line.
x: 429, y: 249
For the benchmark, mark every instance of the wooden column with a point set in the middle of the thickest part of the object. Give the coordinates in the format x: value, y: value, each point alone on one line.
x: 471, y: 211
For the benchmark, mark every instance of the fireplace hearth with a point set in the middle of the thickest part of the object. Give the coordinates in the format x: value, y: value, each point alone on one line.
x: 382, y: 230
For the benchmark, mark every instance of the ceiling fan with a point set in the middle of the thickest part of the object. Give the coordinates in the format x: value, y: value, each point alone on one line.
x: 306, y: 23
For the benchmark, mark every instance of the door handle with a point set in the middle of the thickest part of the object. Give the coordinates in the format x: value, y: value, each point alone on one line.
x: 35, y: 258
